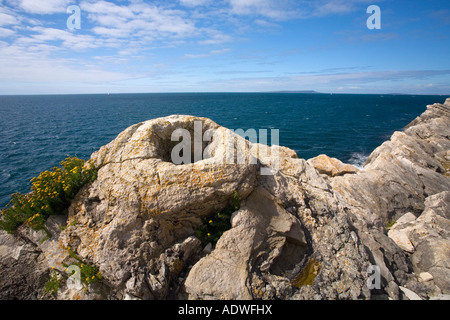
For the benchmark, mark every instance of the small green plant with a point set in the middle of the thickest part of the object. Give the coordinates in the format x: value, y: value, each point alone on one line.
x: 390, y: 224
x: 52, y: 286
x: 51, y: 194
x: 88, y: 273
x: 73, y: 223
x: 214, y: 226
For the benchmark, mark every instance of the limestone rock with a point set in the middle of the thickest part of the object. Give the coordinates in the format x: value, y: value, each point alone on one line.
x: 263, y: 234
x: 401, y: 238
x: 425, y: 276
x: 400, y: 232
x: 23, y: 272
x: 431, y: 236
x: 411, y: 295
x: 331, y: 166
x: 403, y: 171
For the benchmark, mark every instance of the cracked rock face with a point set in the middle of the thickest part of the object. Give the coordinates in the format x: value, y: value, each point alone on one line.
x: 137, y: 222
x: 264, y: 235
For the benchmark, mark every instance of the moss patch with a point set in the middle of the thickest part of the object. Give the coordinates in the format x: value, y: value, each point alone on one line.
x: 308, y: 274
x: 446, y: 165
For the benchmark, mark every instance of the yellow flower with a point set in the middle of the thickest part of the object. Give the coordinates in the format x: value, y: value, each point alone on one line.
x: 210, y: 221
x: 208, y: 234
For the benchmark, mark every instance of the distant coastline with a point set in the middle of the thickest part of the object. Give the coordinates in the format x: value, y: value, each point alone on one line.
x: 382, y: 94
x: 295, y: 91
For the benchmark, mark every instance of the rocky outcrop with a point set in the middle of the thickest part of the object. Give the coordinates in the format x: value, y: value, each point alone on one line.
x: 427, y: 239
x: 311, y: 229
x: 331, y: 166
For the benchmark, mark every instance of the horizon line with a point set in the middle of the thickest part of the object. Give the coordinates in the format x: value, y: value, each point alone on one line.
x: 240, y: 92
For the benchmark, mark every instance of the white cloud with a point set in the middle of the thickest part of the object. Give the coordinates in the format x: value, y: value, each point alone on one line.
x: 337, y: 7
x: 4, y: 32
x: 36, y: 65
x: 290, y: 9
x: 324, y: 8
x: 206, y: 55
x: 7, y: 19
x: 142, y: 20
x: 274, y: 9
x: 216, y: 37
x: 43, y: 6
x: 194, y: 3
x: 328, y: 82
x: 267, y: 24
x: 66, y: 40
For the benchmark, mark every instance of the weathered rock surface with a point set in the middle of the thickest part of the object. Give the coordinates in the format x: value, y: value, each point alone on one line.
x: 137, y: 222
x: 331, y: 166
x: 23, y: 273
x: 268, y: 238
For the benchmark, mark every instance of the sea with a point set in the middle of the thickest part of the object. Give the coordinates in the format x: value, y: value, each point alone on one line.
x: 38, y: 131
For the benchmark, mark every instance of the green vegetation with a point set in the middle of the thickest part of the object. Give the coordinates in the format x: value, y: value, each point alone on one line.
x: 54, y: 283
x: 51, y: 194
x: 88, y: 272
x: 213, y: 227
x: 308, y: 274
x: 73, y: 223
x: 446, y: 165
x: 390, y: 224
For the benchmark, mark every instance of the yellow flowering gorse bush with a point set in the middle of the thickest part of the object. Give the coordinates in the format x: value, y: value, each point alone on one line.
x: 51, y: 194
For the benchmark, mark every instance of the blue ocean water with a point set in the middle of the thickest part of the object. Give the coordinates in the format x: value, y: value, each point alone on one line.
x: 37, y: 132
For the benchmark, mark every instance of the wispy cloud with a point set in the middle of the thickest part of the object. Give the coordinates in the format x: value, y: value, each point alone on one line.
x: 273, y: 9
x: 290, y: 9
x: 41, y: 6
x: 331, y: 7
x: 39, y: 66
x: 7, y: 18
x: 195, y: 3
x: 329, y: 82
x: 137, y: 20
x: 205, y: 55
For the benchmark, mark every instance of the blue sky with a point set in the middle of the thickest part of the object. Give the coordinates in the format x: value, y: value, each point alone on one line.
x: 225, y: 45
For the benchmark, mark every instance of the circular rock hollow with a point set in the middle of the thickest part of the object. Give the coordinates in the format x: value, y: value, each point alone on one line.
x: 184, y: 142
